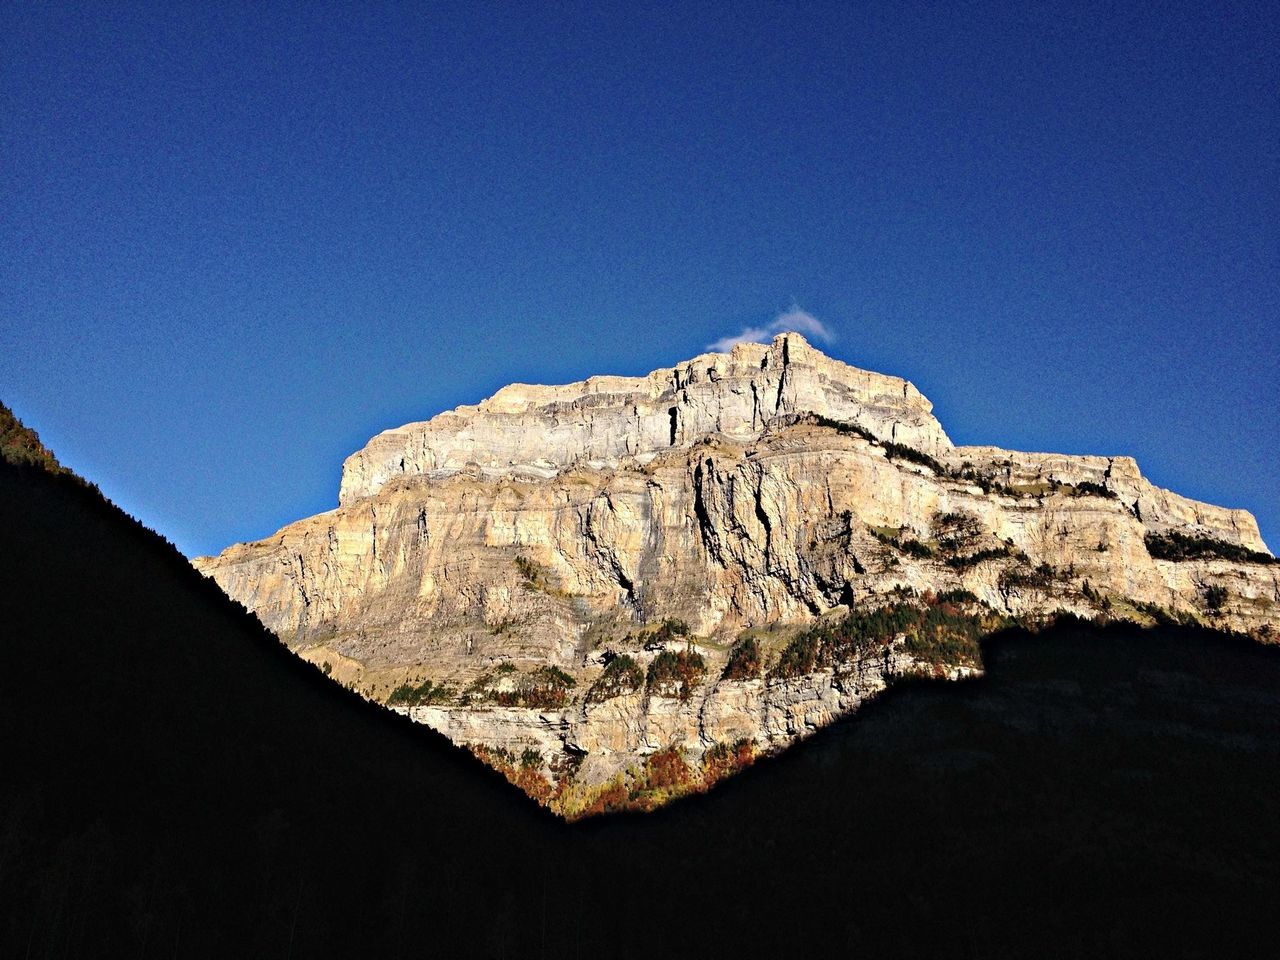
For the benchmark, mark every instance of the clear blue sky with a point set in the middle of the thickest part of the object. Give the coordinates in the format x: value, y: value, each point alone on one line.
x: 236, y: 242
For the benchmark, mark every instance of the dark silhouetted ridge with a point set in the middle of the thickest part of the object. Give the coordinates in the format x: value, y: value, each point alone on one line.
x: 174, y: 774
x: 175, y: 784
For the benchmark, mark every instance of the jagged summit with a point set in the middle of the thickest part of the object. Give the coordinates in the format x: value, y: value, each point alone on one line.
x: 538, y: 430
x: 711, y: 561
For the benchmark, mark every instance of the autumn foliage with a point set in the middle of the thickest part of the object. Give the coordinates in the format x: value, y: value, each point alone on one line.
x: 20, y: 445
x: 621, y: 675
x: 675, y: 674
x: 744, y: 661
x: 665, y: 775
x: 526, y: 776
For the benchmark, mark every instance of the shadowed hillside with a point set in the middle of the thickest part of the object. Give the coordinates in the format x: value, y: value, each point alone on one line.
x: 20, y: 445
x: 177, y: 784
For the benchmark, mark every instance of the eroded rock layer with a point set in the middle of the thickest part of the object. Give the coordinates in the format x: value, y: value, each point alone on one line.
x: 525, y: 574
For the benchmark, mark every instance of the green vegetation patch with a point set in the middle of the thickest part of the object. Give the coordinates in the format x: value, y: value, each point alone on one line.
x: 745, y: 662
x: 1163, y: 616
x: 1178, y: 546
x: 982, y: 556
x: 955, y: 530
x: 843, y: 427
x: 425, y: 693
x: 667, y: 631
x: 1040, y: 578
x: 622, y: 675
x: 675, y: 674
x: 1215, y: 598
x: 940, y: 632
x: 908, y: 545
x: 529, y: 571
x: 546, y: 688
x: 985, y: 482
x: 900, y: 451
x: 1087, y: 488
x: 894, y: 451
x: 531, y: 758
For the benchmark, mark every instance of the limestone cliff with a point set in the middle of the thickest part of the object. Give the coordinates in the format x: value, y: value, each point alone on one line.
x: 484, y: 569
x: 609, y: 422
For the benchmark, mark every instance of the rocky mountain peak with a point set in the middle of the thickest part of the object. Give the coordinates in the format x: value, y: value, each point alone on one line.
x: 625, y: 588
x: 539, y: 430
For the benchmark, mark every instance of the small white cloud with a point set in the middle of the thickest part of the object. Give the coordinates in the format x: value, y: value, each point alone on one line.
x: 801, y: 321
x: 749, y: 335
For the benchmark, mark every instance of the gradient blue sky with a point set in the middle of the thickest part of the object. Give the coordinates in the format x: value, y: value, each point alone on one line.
x: 239, y: 241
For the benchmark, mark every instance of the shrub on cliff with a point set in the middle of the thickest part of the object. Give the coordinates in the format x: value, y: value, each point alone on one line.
x: 669, y: 630
x: 526, y: 776
x: 1038, y: 578
x: 621, y: 675
x: 842, y: 426
x: 722, y: 760
x: 900, y: 451
x: 799, y: 657
x: 908, y: 545
x: 1164, y: 617
x: 534, y: 576
x: 427, y: 692
x: 675, y: 674
x: 744, y: 661
x: 546, y: 688
x: 1215, y: 598
x: 968, y: 560
x: 938, y: 632
x: 531, y: 758
x: 1179, y: 546
x: 1087, y: 488
x: 551, y: 675
x: 666, y: 770
x: 955, y: 529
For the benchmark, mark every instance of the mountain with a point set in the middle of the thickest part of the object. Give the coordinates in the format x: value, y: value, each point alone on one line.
x: 177, y: 784
x: 621, y: 590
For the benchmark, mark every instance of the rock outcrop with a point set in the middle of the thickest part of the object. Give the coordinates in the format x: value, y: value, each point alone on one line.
x: 606, y: 423
x: 484, y: 567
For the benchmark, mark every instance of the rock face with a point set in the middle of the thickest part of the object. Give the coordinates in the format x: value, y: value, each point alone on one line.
x: 607, y: 423
x: 754, y: 493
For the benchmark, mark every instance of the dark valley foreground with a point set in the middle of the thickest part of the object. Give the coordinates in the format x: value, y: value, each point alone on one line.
x: 176, y: 783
